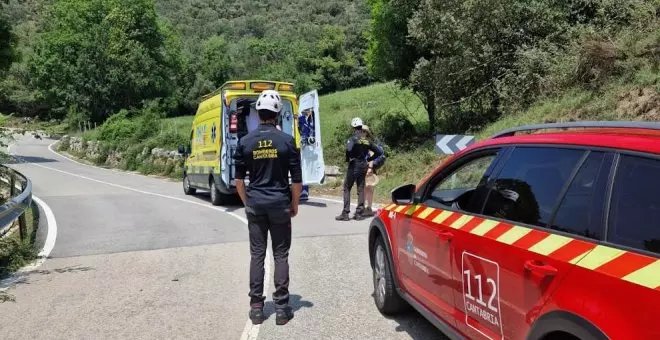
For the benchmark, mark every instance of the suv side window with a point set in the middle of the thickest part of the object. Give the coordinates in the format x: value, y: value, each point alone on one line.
x: 635, y: 205
x: 582, y: 208
x: 464, y: 188
x: 529, y: 185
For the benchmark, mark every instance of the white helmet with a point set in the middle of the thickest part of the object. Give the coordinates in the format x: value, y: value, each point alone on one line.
x: 356, y: 122
x: 269, y: 100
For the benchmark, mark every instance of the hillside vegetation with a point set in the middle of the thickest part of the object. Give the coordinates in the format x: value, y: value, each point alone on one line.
x: 409, y: 68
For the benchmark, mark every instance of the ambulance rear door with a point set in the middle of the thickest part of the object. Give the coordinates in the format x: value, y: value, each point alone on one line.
x: 313, y: 165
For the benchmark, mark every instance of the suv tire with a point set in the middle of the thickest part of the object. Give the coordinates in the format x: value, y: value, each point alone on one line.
x: 386, y: 297
x: 187, y: 189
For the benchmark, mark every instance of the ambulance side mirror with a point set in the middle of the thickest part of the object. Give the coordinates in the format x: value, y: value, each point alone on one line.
x: 403, y: 194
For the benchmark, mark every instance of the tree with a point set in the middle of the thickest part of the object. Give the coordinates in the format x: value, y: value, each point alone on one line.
x: 96, y: 57
x: 391, y: 54
x: 7, y: 41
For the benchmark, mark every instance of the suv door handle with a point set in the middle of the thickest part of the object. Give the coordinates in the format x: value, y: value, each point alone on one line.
x: 445, y: 235
x: 540, y: 268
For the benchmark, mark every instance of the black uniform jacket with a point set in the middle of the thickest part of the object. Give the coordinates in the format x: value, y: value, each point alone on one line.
x: 269, y: 155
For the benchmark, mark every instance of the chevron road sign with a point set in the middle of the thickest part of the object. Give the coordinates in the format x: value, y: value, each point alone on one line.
x: 451, y: 144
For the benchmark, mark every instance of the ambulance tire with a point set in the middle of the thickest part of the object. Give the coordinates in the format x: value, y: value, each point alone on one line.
x: 217, y: 198
x: 187, y: 188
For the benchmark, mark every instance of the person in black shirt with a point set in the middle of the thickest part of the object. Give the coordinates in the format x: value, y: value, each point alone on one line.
x: 269, y: 155
x: 357, y: 150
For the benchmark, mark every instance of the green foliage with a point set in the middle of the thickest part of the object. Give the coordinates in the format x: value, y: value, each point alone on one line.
x: 7, y: 41
x: 395, y: 129
x: 471, y: 60
x: 100, y: 56
x: 14, y: 252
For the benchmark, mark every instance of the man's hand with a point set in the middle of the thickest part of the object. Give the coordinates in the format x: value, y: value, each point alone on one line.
x: 242, y: 193
x: 296, y: 188
x: 294, y: 210
x: 369, y: 171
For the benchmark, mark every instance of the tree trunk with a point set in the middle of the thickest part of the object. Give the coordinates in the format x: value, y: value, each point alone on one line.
x: 430, y: 109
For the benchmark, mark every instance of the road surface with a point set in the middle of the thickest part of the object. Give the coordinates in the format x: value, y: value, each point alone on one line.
x: 135, y: 258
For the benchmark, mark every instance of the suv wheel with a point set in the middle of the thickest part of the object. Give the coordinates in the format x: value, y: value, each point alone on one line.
x: 187, y: 189
x: 387, y: 299
x: 216, y: 195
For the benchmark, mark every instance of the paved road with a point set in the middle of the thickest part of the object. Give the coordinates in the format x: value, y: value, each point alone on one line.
x: 137, y: 259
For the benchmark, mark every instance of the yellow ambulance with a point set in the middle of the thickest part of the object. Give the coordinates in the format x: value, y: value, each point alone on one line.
x: 226, y: 115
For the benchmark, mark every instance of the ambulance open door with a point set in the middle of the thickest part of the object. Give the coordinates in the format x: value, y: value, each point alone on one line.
x: 313, y: 165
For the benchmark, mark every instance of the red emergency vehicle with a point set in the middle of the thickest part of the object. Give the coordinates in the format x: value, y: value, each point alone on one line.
x: 546, y: 231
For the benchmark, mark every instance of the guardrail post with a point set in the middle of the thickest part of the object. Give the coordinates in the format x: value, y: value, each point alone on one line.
x: 22, y: 227
x: 12, y: 183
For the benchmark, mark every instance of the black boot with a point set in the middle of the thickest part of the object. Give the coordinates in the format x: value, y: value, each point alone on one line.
x: 282, y: 316
x: 257, y: 315
x: 343, y: 217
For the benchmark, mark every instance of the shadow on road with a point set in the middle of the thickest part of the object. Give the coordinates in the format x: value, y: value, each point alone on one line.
x: 295, y: 302
x: 314, y: 204
x: 232, y: 204
x: 28, y: 159
x: 416, y: 326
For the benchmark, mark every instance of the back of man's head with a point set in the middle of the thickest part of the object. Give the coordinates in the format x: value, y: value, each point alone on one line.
x: 269, y: 105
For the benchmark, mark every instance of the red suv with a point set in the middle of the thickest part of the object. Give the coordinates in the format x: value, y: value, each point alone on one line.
x: 546, y: 235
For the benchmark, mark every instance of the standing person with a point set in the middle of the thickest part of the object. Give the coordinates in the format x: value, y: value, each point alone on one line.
x: 357, y: 148
x: 270, y: 202
x: 372, y: 178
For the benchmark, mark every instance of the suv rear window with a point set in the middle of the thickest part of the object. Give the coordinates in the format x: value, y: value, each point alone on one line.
x: 635, y: 207
x: 529, y: 185
x: 582, y: 208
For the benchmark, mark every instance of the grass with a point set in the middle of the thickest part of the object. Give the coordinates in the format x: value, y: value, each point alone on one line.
x: 16, y: 253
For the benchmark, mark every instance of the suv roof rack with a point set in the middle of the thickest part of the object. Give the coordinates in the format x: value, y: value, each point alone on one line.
x: 583, y: 124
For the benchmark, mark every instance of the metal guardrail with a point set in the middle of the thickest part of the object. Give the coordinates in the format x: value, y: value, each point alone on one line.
x: 19, y: 200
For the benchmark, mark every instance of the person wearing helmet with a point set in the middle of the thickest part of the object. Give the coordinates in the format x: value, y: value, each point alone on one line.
x: 357, y: 151
x: 269, y: 155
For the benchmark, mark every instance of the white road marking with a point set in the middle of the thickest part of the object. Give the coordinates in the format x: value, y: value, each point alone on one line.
x: 45, y: 251
x: 250, y: 331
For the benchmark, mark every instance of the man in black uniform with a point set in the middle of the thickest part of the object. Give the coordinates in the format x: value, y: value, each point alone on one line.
x: 270, y: 156
x: 357, y: 149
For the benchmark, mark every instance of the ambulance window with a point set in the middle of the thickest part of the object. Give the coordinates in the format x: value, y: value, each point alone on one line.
x: 528, y: 187
x: 635, y: 206
x: 581, y: 209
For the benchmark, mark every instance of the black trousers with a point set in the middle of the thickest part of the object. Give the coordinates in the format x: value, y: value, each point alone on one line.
x: 355, y: 174
x: 277, y: 221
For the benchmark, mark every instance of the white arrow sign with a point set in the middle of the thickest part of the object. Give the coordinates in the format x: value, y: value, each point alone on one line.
x: 451, y: 144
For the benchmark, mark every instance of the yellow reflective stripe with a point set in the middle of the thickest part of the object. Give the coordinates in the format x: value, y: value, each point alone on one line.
x: 648, y: 276
x: 390, y: 207
x: 599, y: 256
x: 580, y: 257
x: 459, y: 223
x: 400, y: 208
x: 442, y: 216
x: 513, y: 235
x: 550, y: 244
x: 413, y: 209
x: 424, y: 214
x: 485, y: 227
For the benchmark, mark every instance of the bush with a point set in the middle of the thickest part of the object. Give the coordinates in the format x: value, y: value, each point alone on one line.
x: 395, y: 129
x: 118, y: 128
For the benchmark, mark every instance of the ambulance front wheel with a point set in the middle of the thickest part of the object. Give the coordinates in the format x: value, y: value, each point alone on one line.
x: 187, y: 189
